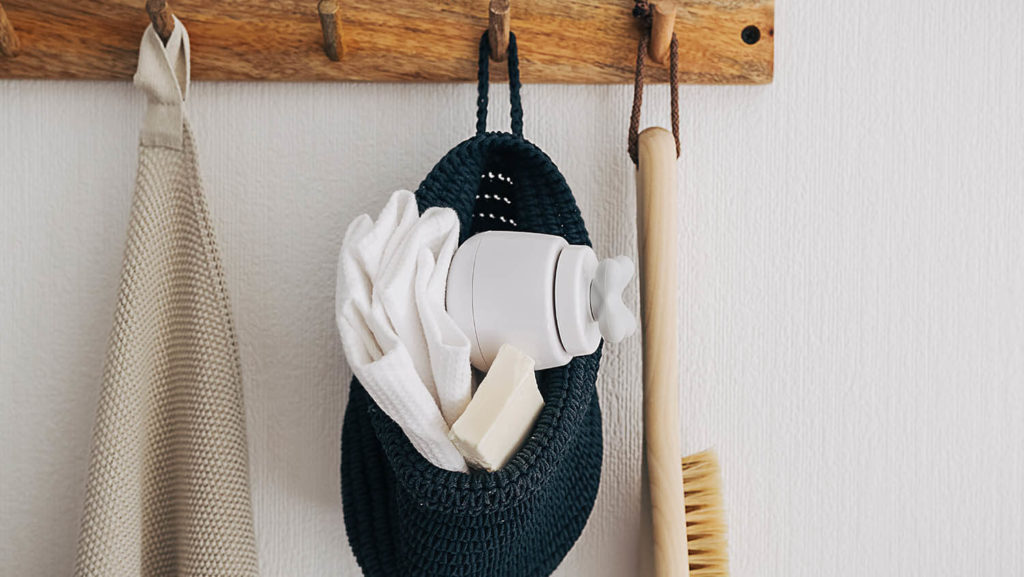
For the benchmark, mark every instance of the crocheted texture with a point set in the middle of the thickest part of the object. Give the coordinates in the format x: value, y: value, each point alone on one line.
x: 406, y: 517
x: 483, y: 85
x: 168, y: 491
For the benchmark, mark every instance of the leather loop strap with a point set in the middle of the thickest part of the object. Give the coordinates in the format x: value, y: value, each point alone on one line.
x: 638, y: 93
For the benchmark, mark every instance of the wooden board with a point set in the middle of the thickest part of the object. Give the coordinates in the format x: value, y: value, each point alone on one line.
x: 560, y: 41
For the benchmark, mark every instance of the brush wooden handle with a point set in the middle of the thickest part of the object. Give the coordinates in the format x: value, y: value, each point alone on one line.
x: 656, y: 236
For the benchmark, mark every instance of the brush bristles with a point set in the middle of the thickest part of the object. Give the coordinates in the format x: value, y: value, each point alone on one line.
x: 705, y: 516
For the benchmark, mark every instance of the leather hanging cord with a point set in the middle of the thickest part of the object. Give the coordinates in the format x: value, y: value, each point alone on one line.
x: 642, y: 12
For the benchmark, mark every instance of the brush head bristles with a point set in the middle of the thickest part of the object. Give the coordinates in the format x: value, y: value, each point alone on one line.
x: 705, y: 516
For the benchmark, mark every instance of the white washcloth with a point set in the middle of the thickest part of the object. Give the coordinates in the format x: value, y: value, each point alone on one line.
x: 400, y: 342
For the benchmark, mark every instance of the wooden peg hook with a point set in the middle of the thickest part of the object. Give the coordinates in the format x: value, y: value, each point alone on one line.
x: 9, y: 43
x: 663, y: 24
x: 498, y: 29
x: 162, y: 18
x: 330, y: 22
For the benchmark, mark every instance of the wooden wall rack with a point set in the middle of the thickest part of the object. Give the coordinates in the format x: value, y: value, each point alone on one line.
x: 560, y: 41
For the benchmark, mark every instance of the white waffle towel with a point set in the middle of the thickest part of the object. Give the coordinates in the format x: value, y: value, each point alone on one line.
x: 401, y: 344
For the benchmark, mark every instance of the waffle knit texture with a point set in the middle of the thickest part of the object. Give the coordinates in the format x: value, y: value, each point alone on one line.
x: 407, y: 517
x: 168, y: 490
x: 406, y: 350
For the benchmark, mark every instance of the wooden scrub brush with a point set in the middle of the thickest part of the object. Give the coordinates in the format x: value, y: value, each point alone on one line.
x: 686, y: 501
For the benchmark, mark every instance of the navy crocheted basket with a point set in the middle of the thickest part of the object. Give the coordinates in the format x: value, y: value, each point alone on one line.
x: 405, y: 517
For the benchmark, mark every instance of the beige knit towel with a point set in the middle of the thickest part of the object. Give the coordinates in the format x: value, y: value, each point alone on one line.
x: 168, y: 490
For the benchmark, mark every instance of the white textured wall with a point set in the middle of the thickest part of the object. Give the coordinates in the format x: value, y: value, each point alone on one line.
x: 852, y: 297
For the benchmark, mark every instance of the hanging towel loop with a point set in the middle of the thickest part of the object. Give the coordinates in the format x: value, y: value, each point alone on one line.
x: 483, y: 85
x: 163, y: 74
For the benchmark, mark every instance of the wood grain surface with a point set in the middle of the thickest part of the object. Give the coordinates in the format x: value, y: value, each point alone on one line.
x: 658, y: 247
x: 564, y: 41
x: 330, y: 25
x: 663, y: 23
x: 9, y: 43
x: 498, y: 28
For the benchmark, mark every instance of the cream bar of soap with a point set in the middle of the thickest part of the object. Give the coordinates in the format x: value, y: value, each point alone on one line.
x: 501, y: 414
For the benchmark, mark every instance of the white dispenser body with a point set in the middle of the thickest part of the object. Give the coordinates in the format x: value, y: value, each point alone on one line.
x: 537, y: 293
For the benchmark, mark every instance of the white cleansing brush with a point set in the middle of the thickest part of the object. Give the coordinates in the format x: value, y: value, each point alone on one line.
x: 551, y: 300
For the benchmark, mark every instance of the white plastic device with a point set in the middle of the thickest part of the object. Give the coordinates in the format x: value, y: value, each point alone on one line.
x: 551, y: 300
